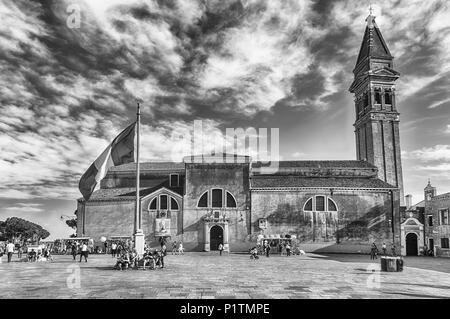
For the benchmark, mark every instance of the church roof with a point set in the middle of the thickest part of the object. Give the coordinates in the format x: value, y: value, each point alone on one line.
x: 149, y: 166
x: 319, y: 164
x: 129, y: 193
x: 418, y: 205
x: 305, y: 182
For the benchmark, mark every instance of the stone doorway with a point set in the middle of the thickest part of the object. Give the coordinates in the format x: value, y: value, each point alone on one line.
x: 216, y: 237
x: 411, y: 245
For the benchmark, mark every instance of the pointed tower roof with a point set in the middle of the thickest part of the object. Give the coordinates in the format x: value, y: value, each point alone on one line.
x: 373, y: 44
x: 429, y: 185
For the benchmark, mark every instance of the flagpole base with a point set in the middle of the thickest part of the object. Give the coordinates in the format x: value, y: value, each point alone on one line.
x: 139, y: 242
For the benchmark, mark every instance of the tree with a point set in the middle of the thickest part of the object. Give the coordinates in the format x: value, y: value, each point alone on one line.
x: 2, y: 231
x: 15, y: 228
x: 72, y: 223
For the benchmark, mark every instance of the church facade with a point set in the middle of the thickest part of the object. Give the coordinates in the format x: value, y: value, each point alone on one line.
x: 329, y: 206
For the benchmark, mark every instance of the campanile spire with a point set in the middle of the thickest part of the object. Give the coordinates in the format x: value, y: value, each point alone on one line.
x: 377, y: 119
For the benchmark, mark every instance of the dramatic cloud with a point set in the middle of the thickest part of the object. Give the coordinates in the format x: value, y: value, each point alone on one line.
x: 66, y: 91
x: 436, y: 153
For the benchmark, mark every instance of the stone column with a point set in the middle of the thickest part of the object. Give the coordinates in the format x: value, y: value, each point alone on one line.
x: 393, y: 99
x: 371, y: 97
x: 206, y: 234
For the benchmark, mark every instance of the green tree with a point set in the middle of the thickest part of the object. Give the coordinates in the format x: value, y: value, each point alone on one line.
x: 15, y: 228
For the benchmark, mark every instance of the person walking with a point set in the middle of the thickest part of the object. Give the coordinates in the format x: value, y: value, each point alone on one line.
x: 19, y: 252
x: 267, y: 249
x: 119, y: 249
x: 181, y: 249
x: 10, y: 250
x: 74, y: 251
x: 174, y: 247
x: 220, y: 249
x: 288, y: 249
x: 163, y: 254
x: 113, y: 249
x: 373, y: 251
x: 84, y: 252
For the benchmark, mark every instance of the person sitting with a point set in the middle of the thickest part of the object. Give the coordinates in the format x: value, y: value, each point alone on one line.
x: 254, y: 253
x: 149, y: 260
x: 123, y: 262
x: 48, y: 255
x: 134, y: 259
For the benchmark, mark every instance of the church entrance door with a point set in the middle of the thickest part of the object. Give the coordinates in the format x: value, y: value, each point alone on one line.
x: 216, y: 237
x: 411, y: 245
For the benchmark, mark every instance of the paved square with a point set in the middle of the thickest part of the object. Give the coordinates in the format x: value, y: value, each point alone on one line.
x: 207, y: 275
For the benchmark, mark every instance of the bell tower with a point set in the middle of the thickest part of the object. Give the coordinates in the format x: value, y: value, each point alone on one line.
x: 377, y: 119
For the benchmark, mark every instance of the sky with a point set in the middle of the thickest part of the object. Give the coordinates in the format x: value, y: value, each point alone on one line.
x: 72, y: 71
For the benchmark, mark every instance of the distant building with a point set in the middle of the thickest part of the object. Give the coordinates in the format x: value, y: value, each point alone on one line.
x: 329, y: 206
x: 437, y: 221
x: 426, y: 225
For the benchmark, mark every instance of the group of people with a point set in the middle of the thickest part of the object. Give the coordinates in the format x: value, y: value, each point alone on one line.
x: 374, y: 252
x: 177, y: 248
x: 80, y: 248
x: 32, y: 255
x: 40, y: 255
x: 152, y: 259
x: 8, y: 250
x: 283, y: 248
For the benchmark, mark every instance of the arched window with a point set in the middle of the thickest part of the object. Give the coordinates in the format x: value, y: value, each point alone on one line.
x: 388, y: 97
x: 203, y: 201
x: 231, y: 201
x: 217, y: 195
x: 309, y: 205
x: 153, y: 204
x: 173, y: 204
x: 377, y: 96
x: 320, y: 203
x: 219, y: 199
x: 331, y: 205
x: 161, y: 202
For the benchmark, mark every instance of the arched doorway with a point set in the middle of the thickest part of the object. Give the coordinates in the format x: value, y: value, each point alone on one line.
x: 216, y: 237
x: 411, y: 245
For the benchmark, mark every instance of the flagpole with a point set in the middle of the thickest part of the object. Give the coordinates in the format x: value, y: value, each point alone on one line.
x: 138, y: 233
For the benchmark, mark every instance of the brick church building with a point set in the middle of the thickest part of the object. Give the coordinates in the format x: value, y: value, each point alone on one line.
x: 329, y: 206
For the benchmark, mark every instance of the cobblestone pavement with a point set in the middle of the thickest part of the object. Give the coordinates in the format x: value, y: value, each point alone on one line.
x: 207, y: 275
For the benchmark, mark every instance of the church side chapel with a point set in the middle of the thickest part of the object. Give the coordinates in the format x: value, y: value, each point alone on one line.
x: 329, y: 206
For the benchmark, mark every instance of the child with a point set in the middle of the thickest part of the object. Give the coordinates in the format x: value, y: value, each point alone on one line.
x: 254, y: 253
